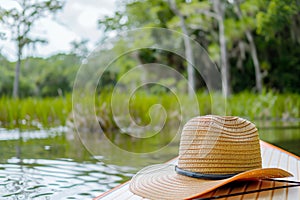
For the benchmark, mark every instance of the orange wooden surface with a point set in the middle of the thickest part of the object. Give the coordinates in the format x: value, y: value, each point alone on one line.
x: 272, y: 157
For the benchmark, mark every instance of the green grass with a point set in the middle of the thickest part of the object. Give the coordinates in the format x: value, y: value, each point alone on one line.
x: 34, y: 112
x: 265, y: 106
x: 48, y: 112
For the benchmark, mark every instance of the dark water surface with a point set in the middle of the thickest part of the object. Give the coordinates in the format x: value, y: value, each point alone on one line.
x: 53, y: 164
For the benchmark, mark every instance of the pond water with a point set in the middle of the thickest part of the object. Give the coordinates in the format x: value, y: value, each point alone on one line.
x: 52, y: 164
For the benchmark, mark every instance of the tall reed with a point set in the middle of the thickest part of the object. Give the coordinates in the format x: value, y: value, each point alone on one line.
x: 48, y: 112
x: 34, y: 112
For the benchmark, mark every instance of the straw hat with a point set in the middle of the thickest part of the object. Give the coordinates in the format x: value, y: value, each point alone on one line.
x: 213, y: 151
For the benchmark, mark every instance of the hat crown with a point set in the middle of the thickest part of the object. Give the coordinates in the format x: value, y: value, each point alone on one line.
x: 219, y: 145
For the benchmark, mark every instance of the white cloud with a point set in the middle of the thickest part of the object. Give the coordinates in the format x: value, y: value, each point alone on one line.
x: 77, y: 20
x: 58, y: 37
x: 9, y: 4
x: 81, y: 16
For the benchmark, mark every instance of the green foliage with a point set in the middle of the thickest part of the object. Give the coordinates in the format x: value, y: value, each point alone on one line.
x: 278, y: 15
x: 20, y: 22
x: 195, y: 19
x: 274, y: 26
x: 51, y: 76
x: 49, y: 112
x: 34, y: 112
x: 7, y: 78
x: 213, y: 51
x: 281, y: 62
x: 79, y: 48
x: 58, y: 77
x: 268, y: 105
x: 137, y: 14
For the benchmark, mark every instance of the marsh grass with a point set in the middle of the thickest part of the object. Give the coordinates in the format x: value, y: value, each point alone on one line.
x: 48, y: 112
x: 34, y: 112
x: 142, y: 108
x: 265, y: 106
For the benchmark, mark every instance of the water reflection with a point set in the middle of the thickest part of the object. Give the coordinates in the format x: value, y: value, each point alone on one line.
x: 52, y: 164
x: 285, y: 134
x: 63, y: 178
x: 38, y: 167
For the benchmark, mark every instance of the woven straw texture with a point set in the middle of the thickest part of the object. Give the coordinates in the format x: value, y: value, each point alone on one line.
x: 219, y: 145
x: 210, y: 145
x: 271, y: 157
x: 162, y: 182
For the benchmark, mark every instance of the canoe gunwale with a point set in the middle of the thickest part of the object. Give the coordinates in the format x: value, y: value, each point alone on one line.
x: 262, y: 143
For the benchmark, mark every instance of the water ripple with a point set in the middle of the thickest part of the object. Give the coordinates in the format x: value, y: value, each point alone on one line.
x: 55, y: 179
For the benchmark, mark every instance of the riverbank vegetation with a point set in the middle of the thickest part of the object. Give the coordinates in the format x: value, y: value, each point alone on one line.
x: 257, y: 40
x: 33, y: 112
x: 261, y: 46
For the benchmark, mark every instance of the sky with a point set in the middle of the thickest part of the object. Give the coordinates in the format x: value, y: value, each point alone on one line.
x: 78, y: 20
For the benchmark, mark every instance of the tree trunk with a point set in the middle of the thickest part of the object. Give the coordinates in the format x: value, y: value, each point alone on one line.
x: 15, y: 93
x: 188, y: 49
x: 224, y: 61
x: 225, y: 68
x: 258, y: 76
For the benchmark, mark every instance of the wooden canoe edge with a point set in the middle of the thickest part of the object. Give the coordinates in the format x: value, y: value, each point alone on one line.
x: 121, y: 185
x: 262, y: 143
x: 279, y: 149
x: 111, y: 190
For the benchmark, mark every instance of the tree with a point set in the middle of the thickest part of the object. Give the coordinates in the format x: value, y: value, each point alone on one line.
x: 253, y: 51
x: 219, y: 8
x: 80, y: 48
x: 279, y: 33
x: 217, y: 12
x: 20, y: 21
x: 254, y: 42
x: 188, y: 48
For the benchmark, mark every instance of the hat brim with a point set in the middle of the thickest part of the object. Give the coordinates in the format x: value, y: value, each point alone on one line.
x: 162, y: 182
